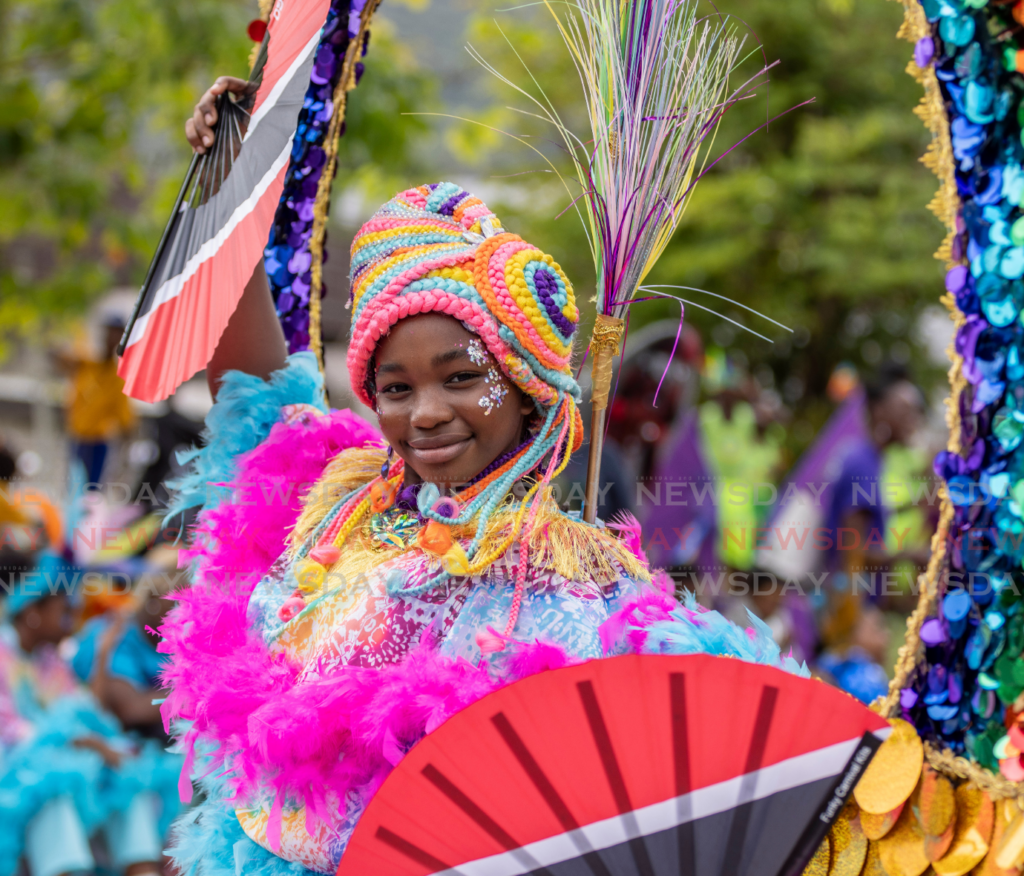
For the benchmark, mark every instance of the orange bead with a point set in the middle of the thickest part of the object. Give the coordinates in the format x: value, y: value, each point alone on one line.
x: 435, y: 538
x: 382, y: 496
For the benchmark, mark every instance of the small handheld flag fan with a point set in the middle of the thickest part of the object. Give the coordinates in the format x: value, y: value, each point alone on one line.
x: 631, y: 766
x: 224, y: 210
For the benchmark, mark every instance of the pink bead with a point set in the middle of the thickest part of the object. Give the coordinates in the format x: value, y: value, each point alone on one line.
x: 291, y: 607
x: 325, y: 554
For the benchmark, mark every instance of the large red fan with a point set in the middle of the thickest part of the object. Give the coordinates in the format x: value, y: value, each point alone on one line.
x: 631, y: 766
x: 219, y: 228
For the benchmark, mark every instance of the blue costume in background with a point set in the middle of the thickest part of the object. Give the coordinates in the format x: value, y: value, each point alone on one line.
x: 54, y: 794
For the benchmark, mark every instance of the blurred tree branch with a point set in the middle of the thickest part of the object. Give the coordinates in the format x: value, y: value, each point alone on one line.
x: 92, y: 149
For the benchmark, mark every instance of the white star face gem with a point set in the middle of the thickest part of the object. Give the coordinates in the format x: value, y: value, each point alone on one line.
x: 496, y: 394
x: 476, y: 352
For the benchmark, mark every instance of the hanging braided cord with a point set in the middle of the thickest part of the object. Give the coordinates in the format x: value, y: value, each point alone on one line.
x: 568, y: 425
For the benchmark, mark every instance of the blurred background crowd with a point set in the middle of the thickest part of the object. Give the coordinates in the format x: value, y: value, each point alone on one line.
x: 784, y: 473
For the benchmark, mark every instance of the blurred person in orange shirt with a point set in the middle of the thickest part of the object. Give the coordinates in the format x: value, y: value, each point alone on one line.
x: 98, y: 411
x: 29, y: 519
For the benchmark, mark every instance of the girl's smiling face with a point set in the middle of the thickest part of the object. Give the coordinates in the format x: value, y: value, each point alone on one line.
x: 443, y: 403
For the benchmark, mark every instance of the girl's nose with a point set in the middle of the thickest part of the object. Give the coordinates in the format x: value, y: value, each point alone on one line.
x: 430, y: 409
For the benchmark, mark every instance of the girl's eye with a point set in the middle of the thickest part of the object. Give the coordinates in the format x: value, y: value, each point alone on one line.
x: 394, y: 389
x: 463, y: 376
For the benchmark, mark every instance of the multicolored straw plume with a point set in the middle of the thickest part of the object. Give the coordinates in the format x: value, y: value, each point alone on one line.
x: 439, y: 249
x: 655, y: 77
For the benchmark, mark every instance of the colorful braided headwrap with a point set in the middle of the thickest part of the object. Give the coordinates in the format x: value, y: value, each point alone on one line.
x: 439, y: 249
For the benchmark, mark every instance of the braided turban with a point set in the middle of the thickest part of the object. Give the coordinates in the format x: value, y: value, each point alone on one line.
x: 438, y: 249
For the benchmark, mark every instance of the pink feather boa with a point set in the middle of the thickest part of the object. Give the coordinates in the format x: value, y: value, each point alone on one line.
x: 321, y: 738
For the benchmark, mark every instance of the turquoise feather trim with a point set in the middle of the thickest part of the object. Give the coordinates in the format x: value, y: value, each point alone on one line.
x: 209, y: 840
x: 692, y: 630
x: 39, y: 773
x: 245, y: 411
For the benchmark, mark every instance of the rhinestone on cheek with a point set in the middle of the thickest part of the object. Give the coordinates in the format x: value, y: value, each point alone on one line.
x: 476, y: 352
x: 496, y: 394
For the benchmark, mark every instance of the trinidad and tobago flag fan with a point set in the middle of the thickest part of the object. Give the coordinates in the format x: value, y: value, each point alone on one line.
x: 217, y: 232
x: 630, y: 766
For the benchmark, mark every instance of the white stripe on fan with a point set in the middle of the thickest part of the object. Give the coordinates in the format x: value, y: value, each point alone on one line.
x: 279, y: 86
x: 782, y: 776
x: 172, y: 288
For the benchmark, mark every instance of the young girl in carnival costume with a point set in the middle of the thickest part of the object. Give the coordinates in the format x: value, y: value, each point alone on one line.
x: 422, y: 571
x: 66, y: 768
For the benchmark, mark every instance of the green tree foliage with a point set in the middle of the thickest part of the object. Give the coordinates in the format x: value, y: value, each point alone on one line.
x: 95, y: 92
x: 92, y: 149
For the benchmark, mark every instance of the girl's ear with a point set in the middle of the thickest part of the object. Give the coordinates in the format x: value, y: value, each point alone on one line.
x: 526, y: 405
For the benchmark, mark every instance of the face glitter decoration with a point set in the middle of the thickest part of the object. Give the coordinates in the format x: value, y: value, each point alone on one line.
x: 476, y: 352
x: 497, y: 392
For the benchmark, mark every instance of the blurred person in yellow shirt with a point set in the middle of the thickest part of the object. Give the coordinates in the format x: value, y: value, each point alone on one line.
x: 98, y: 411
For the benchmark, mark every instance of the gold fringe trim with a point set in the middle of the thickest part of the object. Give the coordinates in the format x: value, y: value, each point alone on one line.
x: 557, y: 543
x: 949, y: 764
x: 349, y: 470
x: 322, y: 205
x: 911, y: 651
x: 946, y: 204
x: 938, y: 157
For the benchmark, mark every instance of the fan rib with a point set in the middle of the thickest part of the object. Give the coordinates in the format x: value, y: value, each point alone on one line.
x: 755, y: 756
x: 447, y: 787
x: 613, y: 772
x: 412, y: 851
x: 534, y: 771
x: 684, y: 780
x: 547, y: 790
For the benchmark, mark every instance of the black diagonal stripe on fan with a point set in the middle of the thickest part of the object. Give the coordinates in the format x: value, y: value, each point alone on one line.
x: 547, y: 790
x: 413, y: 852
x: 614, y: 775
x: 629, y: 766
x: 734, y: 846
x: 681, y: 761
x: 473, y: 810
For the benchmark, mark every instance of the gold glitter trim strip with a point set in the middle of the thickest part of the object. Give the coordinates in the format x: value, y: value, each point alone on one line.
x: 950, y: 765
x: 945, y: 205
x: 322, y: 205
x: 605, y: 345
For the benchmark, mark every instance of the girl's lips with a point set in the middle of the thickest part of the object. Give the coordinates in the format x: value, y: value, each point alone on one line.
x: 433, y: 452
